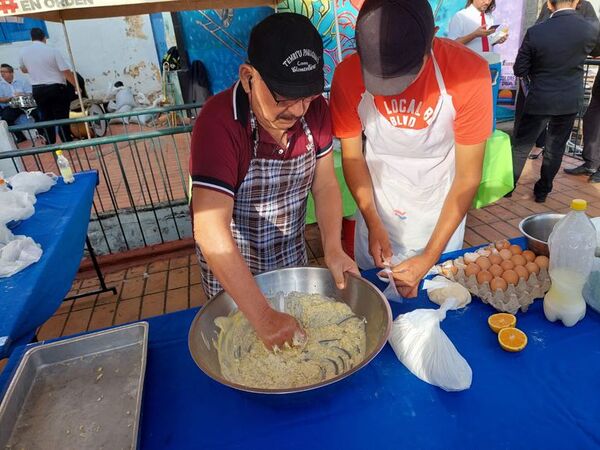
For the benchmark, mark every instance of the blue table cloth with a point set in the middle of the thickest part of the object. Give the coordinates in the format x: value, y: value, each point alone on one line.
x: 59, y: 225
x: 547, y: 396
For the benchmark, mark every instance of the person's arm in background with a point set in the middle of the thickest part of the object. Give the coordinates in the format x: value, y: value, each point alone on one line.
x: 458, y: 33
x: 212, y: 218
x: 524, y: 58
x: 22, y: 64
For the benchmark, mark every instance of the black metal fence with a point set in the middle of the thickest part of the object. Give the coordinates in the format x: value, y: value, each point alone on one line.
x: 142, y: 197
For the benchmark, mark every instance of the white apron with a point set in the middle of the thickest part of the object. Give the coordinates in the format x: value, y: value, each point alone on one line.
x: 412, y: 172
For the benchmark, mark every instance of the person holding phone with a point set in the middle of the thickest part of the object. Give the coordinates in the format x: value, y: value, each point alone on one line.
x: 474, y: 26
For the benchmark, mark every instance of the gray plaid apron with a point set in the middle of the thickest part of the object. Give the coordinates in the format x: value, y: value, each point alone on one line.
x: 269, y: 212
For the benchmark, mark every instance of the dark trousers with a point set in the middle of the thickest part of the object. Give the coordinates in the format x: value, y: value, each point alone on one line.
x: 591, y: 129
x: 529, y: 128
x: 53, y: 102
x: 10, y: 115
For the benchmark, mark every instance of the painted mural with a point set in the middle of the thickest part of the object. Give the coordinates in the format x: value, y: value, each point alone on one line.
x: 219, y: 38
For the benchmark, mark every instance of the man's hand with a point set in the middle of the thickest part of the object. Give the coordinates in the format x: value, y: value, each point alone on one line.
x: 275, y: 328
x: 408, y: 274
x: 380, y: 247
x: 339, y: 263
x: 482, y: 31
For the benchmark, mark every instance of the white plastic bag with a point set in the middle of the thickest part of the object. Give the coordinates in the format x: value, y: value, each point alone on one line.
x: 32, y: 182
x: 15, y: 206
x: 18, y: 254
x: 440, y: 289
x: 591, y: 290
x: 425, y: 350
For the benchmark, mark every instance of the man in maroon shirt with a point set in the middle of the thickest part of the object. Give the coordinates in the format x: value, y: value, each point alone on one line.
x: 258, y: 148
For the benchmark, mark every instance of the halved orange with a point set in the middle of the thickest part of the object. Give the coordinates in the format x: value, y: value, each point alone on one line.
x: 512, y: 339
x: 501, y: 320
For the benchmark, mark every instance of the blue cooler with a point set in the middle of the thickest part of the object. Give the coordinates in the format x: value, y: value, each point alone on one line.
x: 495, y: 62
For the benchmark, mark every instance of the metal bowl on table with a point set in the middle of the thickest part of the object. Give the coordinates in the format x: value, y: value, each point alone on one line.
x: 537, y: 229
x: 362, y: 297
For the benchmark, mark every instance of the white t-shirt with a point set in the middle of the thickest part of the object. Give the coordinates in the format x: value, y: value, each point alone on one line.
x: 44, y: 64
x: 466, y: 21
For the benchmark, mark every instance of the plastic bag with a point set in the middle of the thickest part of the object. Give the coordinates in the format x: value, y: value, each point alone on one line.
x: 32, y: 182
x: 591, y: 290
x: 441, y: 289
x: 18, y: 254
x: 423, y: 347
x: 16, y: 205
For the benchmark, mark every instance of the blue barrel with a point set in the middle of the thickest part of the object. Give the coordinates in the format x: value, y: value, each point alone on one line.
x: 495, y: 62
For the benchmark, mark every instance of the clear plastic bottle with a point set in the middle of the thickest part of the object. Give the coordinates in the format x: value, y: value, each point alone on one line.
x: 64, y: 167
x: 572, y: 244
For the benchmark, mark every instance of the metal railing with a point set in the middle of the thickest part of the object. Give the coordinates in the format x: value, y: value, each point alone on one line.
x: 142, y: 196
x: 575, y: 143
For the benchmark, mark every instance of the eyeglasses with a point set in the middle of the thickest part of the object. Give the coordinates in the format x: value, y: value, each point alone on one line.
x: 288, y: 103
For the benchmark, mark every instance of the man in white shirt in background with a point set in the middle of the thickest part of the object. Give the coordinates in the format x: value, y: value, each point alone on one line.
x: 49, y: 73
x: 11, y: 87
x: 473, y: 26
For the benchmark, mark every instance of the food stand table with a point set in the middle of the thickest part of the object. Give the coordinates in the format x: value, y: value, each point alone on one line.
x: 546, y: 396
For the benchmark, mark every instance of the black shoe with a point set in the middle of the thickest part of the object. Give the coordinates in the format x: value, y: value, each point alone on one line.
x: 595, y: 178
x: 579, y: 170
x: 536, y: 156
x: 540, y: 198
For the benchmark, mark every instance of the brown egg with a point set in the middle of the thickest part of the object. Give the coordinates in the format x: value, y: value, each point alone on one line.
x: 533, y: 267
x: 495, y: 258
x: 518, y: 260
x: 511, y: 277
x: 498, y: 283
x: 522, y: 272
x: 483, y: 262
x: 542, y: 262
x: 505, y: 254
x: 515, y: 249
x: 502, y: 244
x: 484, y: 276
x: 449, y: 270
x: 496, y: 270
x: 472, y: 269
x: 507, y: 265
x: 529, y: 255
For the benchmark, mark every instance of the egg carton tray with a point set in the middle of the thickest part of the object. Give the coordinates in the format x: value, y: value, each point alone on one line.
x: 512, y: 300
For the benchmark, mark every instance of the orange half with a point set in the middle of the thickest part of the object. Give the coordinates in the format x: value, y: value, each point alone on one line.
x: 501, y: 320
x: 512, y: 339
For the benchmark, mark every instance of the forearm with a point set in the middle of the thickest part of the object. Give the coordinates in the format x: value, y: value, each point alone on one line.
x: 226, y: 262
x: 466, y: 38
x: 358, y: 180
x: 5, y: 99
x: 70, y: 77
x: 457, y: 204
x: 328, y: 209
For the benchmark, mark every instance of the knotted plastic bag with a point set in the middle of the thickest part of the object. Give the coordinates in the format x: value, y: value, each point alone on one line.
x: 32, y: 182
x: 423, y: 347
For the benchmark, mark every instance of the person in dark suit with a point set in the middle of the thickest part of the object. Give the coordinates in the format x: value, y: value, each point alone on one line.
x: 591, y: 132
x: 551, y: 61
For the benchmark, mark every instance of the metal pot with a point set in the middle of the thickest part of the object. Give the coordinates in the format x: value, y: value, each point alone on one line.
x: 363, y: 297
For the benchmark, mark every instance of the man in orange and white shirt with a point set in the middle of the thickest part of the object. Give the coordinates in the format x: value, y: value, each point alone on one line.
x: 425, y: 107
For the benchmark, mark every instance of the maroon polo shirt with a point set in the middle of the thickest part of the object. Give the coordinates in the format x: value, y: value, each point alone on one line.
x: 222, y: 142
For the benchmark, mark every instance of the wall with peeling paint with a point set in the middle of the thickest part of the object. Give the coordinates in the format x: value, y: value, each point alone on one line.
x: 105, y: 51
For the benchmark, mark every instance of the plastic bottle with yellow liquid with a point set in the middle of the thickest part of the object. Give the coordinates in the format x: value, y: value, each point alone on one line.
x: 572, y: 244
x: 64, y: 167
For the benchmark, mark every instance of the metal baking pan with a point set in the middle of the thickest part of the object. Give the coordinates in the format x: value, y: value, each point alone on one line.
x: 78, y: 393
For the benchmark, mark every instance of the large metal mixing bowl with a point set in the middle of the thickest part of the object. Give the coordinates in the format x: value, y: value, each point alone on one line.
x: 537, y: 229
x: 364, y: 299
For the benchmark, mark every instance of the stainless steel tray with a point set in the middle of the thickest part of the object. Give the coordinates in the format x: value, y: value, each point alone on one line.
x: 78, y: 393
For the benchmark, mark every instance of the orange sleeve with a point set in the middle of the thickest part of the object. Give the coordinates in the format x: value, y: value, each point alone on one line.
x: 346, y: 92
x: 474, y: 104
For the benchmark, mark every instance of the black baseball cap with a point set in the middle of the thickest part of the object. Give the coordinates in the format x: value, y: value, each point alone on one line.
x: 287, y: 51
x: 392, y: 37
